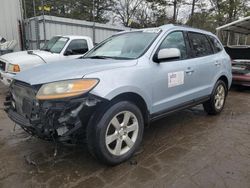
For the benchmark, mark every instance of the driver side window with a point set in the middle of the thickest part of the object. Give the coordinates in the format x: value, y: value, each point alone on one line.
x: 175, y: 40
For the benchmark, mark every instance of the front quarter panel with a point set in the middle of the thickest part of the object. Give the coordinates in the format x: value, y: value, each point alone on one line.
x: 135, y: 79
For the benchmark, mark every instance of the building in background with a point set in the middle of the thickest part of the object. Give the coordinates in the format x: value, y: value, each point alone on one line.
x: 235, y: 33
x: 42, y: 28
x: 31, y: 33
x: 10, y: 21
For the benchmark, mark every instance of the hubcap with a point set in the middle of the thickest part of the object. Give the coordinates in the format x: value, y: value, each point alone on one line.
x: 219, y: 97
x: 121, y: 133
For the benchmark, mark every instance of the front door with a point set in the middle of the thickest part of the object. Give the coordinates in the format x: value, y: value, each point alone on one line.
x: 174, y: 82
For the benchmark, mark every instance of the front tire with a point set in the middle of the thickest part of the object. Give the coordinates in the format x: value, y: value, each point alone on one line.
x: 217, y: 100
x: 115, y: 133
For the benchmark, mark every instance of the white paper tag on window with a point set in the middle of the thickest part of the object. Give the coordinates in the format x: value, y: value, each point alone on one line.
x: 175, y: 78
x: 152, y: 30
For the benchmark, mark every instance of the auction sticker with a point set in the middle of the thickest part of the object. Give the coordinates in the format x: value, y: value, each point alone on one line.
x: 175, y: 78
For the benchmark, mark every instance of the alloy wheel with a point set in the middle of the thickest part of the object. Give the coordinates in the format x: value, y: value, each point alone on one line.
x: 121, y: 133
x: 219, y: 98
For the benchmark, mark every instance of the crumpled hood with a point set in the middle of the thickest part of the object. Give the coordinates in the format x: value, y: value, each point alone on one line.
x: 73, y: 69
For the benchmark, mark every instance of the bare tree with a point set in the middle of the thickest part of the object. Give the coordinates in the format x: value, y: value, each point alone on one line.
x: 175, y: 10
x: 192, y: 12
x: 176, y: 6
x: 126, y: 10
x: 229, y: 10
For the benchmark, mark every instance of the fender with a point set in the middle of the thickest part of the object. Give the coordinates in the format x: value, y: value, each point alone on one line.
x: 127, y: 89
x: 227, y: 75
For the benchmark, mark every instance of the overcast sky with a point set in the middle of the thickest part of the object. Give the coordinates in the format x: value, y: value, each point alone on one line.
x: 185, y: 10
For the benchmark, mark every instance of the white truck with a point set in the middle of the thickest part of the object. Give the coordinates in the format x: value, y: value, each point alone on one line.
x: 57, y: 49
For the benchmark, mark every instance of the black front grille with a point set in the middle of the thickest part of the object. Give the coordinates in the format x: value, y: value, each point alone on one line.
x: 23, y: 96
x: 27, y: 106
x: 2, y: 65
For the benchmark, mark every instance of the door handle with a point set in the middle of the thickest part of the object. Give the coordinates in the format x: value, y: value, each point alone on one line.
x: 217, y: 63
x: 189, y: 71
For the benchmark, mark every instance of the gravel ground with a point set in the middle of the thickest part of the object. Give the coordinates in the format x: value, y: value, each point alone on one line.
x: 186, y: 149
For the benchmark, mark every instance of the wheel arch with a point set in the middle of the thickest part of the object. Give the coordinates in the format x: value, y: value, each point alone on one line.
x: 224, y: 79
x: 137, y: 100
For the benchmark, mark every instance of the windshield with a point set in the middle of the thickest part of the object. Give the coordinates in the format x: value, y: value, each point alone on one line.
x: 124, y: 46
x: 55, y: 45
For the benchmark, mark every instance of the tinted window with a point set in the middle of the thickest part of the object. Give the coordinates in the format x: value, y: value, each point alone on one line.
x: 77, y: 47
x: 216, y: 45
x: 200, y: 44
x: 175, y: 40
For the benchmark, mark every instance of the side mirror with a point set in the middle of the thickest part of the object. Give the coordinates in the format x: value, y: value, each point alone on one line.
x: 167, y: 54
x: 68, y: 52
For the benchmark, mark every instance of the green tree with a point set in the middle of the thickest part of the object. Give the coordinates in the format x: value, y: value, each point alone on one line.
x: 197, y: 21
x: 90, y: 10
x: 57, y: 7
x: 226, y: 11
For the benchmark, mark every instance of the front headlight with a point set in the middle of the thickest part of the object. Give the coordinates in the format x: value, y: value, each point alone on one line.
x: 63, y: 89
x: 13, y: 68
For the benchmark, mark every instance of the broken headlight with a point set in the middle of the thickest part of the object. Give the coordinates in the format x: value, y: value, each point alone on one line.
x: 68, y: 88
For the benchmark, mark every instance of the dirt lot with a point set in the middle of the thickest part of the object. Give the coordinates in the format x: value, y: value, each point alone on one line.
x: 186, y: 149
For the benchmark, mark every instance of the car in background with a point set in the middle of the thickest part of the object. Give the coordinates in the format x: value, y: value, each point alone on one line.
x: 240, y: 56
x: 121, y: 85
x: 237, y: 46
x: 57, y: 49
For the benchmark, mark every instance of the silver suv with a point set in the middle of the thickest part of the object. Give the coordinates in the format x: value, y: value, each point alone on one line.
x: 123, y: 84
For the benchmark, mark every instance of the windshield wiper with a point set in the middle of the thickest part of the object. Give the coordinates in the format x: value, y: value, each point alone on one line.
x: 107, y: 57
x: 99, y: 57
x: 122, y: 58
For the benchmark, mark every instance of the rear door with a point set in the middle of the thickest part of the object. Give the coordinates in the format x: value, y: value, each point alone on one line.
x: 208, y: 64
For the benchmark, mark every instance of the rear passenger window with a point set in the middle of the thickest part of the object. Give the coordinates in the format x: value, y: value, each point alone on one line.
x: 200, y: 44
x: 175, y: 40
x: 216, y: 44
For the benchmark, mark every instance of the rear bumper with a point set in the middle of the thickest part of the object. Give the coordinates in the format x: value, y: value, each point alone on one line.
x: 6, y: 78
x: 241, y: 80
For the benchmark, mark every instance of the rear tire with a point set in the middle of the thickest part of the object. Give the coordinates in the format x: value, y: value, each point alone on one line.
x: 115, y: 133
x: 217, y: 100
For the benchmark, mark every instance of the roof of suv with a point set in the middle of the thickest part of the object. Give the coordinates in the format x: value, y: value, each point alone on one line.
x: 185, y: 27
x: 173, y: 26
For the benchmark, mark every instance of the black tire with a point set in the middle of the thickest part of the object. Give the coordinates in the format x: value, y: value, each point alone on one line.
x: 97, y: 132
x: 210, y: 105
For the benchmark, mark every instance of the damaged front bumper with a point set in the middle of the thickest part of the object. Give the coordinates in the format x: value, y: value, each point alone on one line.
x: 61, y: 120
